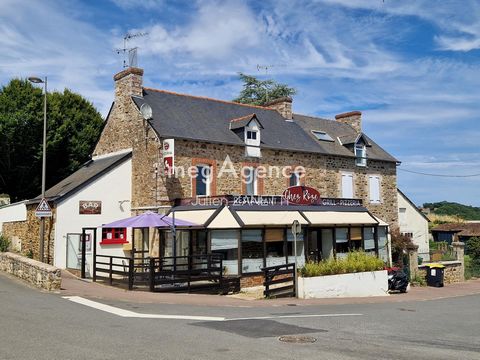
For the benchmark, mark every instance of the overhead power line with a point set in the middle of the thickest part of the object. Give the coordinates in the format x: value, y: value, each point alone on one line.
x: 439, y: 175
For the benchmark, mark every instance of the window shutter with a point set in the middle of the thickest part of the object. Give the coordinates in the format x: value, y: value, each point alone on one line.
x: 347, y: 186
x: 374, y: 185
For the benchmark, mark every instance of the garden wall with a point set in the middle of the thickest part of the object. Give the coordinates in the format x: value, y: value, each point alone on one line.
x: 41, y: 275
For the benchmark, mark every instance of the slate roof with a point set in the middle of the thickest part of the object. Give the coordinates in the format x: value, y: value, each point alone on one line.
x: 89, y: 172
x: 203, y: 119
x: 462, y: 229
x: 337, y: 130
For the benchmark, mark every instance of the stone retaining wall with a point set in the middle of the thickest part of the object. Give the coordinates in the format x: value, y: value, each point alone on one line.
x: 42, y: 275
x: 453, y: 272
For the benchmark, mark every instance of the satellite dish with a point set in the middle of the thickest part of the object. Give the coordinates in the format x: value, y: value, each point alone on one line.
x: 146, y: 111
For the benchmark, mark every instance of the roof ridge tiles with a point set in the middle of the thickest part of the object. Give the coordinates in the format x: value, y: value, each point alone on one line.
x: 208, y: 98
x: 244, y: 117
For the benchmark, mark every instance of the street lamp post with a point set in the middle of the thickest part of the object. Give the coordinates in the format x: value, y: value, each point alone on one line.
x: 37, y: 80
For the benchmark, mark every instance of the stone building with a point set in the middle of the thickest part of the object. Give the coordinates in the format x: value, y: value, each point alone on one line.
x: 330, y: 151
x: 228, y: 168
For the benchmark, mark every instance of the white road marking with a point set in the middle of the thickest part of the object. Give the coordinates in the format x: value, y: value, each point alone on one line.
x: 293, y: 316
x: 132, y: 314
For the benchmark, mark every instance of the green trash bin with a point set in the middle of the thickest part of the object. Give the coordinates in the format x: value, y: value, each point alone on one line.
x: 435, y: 273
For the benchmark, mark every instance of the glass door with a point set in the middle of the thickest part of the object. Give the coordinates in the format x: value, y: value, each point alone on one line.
x: 74, y: 251
x: 314, y: 252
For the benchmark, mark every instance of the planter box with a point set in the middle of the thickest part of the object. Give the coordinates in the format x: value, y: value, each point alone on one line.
x: 364, y: 284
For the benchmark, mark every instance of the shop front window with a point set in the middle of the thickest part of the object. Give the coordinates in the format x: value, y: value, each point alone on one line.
x: 225, y: 243
x: 275, y: 247
x: 300, y: 249
x: 341, y: 242
x: 382, y: 243
x: 356, y: 238
x: 180, y: 249
x: 252, y: 251
x: 369, y: 239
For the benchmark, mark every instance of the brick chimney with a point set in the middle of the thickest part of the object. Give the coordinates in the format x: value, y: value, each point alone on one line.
x: 283, y: 105
x: 352, y: 118
x: 128, y: 82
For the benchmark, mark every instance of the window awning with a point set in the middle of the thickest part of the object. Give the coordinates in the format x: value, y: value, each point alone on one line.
x: 380, y: 221
x: 339, y: 218
x: 224, y: 220
x: 261, y: 218
x: 197, y: 216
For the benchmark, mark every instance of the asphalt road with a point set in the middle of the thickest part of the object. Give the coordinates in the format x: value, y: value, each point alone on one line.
x: 39, y: 325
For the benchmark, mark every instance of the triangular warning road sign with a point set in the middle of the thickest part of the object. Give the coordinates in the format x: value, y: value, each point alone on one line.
x: 43, y: 206
x: 43, y: 209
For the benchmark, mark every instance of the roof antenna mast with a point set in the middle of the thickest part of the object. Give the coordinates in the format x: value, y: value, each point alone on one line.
x: 265, y: 67
x: 132, y: 52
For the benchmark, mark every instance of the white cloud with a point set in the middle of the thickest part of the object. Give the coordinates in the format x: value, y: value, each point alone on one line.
x: 41, y: 38
x: 146, y: 4
x: 219, y: 30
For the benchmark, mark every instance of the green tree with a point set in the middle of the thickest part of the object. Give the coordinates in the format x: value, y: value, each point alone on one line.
x: 472, y: 248
x: 454, y: 209
x: 73, y: 127
x: 260, y: 92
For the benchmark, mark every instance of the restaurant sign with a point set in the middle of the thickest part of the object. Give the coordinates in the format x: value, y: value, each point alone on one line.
x: 168, y: 154
x: 301, y: 195
x: 305, y: 197
x: 90, y: 207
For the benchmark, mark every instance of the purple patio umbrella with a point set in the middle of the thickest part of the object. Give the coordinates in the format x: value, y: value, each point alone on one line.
x: 149, y: 219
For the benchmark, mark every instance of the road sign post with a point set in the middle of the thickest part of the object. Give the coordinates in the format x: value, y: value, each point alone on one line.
x: 42, y: 211
x: 296, y: 229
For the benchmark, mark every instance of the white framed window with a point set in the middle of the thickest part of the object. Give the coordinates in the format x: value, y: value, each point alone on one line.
x: 402, y: 216
x: 374, y: 189
x: 203, y: 180
x: 295, y: 179
x: 250, y: 181
x: 347, y: 185
x: 251, y: 135
x: 361, y: 155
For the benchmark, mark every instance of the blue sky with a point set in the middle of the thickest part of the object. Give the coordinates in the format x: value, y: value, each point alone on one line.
x: 411, y: 67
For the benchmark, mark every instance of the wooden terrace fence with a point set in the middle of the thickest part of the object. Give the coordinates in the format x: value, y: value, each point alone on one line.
x: 279, y: 275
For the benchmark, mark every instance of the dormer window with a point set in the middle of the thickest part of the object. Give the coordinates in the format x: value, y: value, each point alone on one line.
x: 248, y: 128
x: 360, y: 154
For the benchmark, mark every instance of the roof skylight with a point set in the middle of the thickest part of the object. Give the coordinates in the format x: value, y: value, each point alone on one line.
x: 321, y: 135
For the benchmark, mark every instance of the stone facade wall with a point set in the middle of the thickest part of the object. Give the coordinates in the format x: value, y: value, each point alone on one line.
x: 321, y: 172
x: 453, y: 272
x: 34, y: 272
x: 125, y: 124
x: 251, y: 281
x: 28, y: 234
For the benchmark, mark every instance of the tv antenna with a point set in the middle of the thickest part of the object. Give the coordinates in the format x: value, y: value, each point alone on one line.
x: 265, y: 67
x: 132, y: 52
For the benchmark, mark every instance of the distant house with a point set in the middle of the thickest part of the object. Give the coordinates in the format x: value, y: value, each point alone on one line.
x: 414, y: 224
x: 464, y: 231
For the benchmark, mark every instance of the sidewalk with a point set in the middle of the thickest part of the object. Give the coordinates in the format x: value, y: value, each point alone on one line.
x: 73, y: 286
